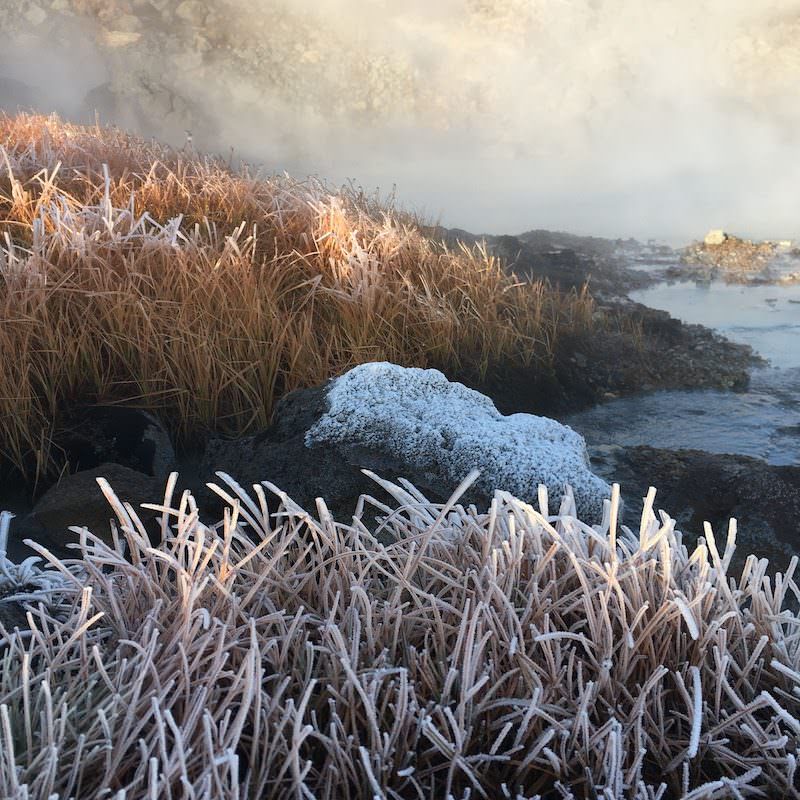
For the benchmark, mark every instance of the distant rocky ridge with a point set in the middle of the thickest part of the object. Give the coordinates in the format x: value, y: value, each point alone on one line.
x: 565, y: 259
x: 609, y: 266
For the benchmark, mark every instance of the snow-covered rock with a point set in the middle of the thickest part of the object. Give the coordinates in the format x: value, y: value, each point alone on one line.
x: 443, y: 430
x: 715, y: 237
x: 409, y: 423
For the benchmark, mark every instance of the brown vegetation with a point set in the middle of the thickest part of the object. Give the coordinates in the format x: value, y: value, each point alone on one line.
x: 502, y: 654
x: 131, y: 272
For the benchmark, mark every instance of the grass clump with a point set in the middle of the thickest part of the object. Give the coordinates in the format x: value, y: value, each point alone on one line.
x: 512, y: 653
x: 130, y: 272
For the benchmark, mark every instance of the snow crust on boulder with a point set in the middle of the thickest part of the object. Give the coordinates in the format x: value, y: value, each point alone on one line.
x: 447, y: 429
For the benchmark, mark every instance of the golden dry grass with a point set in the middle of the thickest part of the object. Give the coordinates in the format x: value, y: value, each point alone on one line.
x: 507, y: 653
x: 131, y: 272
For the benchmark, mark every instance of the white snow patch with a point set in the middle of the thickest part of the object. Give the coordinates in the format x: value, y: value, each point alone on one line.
x: 445, y: 429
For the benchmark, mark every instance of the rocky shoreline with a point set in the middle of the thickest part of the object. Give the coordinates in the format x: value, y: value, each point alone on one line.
x: 698, y: 487
x: 635, y: 349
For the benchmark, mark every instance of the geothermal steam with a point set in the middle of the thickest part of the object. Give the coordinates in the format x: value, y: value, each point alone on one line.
x: 608, y: 116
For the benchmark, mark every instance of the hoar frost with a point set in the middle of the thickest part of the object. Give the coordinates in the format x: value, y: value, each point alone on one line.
x: 447, y: 429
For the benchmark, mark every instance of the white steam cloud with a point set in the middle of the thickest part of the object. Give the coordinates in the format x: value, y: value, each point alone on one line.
x: 616, y: 117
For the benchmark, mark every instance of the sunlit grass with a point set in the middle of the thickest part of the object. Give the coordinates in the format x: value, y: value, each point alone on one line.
x: 132, y: 272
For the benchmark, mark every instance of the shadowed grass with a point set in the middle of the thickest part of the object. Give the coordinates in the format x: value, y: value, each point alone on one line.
x: 133, y: 273
x: 507, y: 653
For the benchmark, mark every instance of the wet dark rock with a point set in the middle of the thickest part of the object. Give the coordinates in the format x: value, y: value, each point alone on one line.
x: 631, y: 348
x: 634, y: 349
x: 696, y: 487
x: 790, y: 429
x: 672, y: 354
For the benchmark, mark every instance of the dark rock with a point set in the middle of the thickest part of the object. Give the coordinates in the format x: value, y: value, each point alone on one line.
x: 25, y: 526
x: 634, y: 349
x: 13, y: 615
x: 641, y: 349
x: 543, y: 240
x: 563, y: 259
x: 115, y: 434
x: 279, y: 455
x: 721, y: 252
x: 696, y: 487
x: 78, y: 500
x: 629, y: 349
x: 101, y: 100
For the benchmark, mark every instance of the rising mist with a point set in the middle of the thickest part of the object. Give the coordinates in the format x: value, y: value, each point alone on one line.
x: 614, y: 117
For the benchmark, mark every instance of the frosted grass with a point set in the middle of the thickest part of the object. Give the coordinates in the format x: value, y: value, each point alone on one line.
x: 502, y: 652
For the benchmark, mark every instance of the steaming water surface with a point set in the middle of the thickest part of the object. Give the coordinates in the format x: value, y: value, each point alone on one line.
x: 763, y: 421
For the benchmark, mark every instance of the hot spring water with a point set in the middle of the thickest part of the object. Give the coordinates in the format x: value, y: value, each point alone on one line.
x: 761, y: 421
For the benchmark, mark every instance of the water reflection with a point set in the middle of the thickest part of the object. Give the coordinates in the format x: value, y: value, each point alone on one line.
x: 763, y: 421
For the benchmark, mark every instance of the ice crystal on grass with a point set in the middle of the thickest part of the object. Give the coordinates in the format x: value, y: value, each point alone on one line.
x: 132, y: 272
x: 497, y: 653
x: 26, y: 581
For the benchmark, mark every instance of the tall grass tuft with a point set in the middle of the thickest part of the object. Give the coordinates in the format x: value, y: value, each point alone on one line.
x: 130, y: 272
x: 508, y: 653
